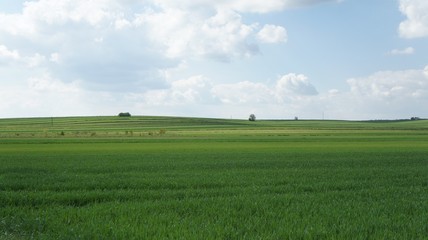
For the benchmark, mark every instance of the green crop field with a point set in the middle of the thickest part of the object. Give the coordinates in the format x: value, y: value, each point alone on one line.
x: 190, y: 178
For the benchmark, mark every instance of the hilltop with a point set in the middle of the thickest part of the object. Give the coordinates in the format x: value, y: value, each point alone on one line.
x: 150, y: 126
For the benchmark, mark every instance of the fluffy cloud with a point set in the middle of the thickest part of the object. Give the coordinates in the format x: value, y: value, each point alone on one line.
x: 183, y: 33
x: 405, y: 51
x: 5, y: 53
x: 45, y: 96
x: 288, y: 88
x: 416, y: 24
x: 46, y: 83
x: 199, y: 95
x: 241, y: 5
x: 76, y: 43
x: 14, y: 57
x: 204, y: 28
x: 122, y: 45
x: 37, y: 17
x: 201, y: 90
x: 392, y: 85
x: 86, y: 50
x: 296, y: 85
x: 195, y: 89
x: 272, y: 34
x: 17, y: 24
x: 60, y: 12
x: 243, y: 93
x: 382, y: 95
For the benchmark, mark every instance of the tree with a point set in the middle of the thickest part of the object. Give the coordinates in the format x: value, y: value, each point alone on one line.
x: 124, y: 114
x: 252, y: 117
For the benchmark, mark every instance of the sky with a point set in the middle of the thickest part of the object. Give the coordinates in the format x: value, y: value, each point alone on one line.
x: 277, y: 59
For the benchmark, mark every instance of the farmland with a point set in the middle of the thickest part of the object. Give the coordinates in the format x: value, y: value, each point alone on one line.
x: 193, y: 178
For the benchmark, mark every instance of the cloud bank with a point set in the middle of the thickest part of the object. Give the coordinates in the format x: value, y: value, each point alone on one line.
x: 101, y: 57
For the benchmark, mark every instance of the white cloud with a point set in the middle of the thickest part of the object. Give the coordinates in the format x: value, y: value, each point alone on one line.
x: 122, y: 23
x: 122, y: 45
x: 405, y: 51
x: 255, y: 6
x: 17, y: 24
x: 392, y: 85
x: 272, y: 34
x: 184, y: 34
x: 38, y: 96
x: 35, y: 60
x: 200, y: 90
x: 39, y: 17
x: 243, y: 93
x: 181, y: 92
x: 8, y: 54
x: 54, y: 57
x: 31, y: 61
x: 295, y: 84
x: 426, y: 71
x: 416, y: 24
x: 382, y: 95
x: 45, y: 96
x: 187, y: 28
x: 288, y: 88
x: 199, y: 96
x: 59, y: 12
x: 73, y: 43
x: 46, y: 83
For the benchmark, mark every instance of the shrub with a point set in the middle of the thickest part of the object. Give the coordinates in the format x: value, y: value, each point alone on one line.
x: 124, y: 114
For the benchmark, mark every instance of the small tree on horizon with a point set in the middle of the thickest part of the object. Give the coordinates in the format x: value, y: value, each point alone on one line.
x: 124, y: 114
x: 252, y: 117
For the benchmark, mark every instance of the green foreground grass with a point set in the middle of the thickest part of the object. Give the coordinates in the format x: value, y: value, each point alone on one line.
x: 186, y: 178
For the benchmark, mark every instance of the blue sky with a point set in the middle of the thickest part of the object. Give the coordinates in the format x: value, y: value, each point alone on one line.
x: 277, y: 59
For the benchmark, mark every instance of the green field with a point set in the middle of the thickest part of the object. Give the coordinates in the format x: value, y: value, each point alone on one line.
x: 189, y: 178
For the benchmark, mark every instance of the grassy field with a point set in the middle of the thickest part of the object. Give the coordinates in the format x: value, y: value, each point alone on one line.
x: 188, y: 178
